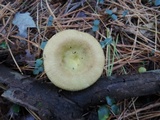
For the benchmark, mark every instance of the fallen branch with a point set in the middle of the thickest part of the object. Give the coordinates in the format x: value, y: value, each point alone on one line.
x: 51, y: 103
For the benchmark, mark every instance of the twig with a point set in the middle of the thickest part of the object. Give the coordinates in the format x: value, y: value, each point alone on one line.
x: 14, y: 58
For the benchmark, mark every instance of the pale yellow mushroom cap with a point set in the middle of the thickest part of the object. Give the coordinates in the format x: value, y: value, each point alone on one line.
x: 73, y: 60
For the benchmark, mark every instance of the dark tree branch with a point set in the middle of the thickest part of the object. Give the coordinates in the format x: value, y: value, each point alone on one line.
x: 41, y: 97
x: 118, y: 87
x: 51, y: 103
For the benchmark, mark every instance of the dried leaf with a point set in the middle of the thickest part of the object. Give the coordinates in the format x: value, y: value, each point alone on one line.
x: 23, y: 21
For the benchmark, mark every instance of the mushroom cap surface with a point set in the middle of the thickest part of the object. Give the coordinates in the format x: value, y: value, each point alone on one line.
x: 73, y: 60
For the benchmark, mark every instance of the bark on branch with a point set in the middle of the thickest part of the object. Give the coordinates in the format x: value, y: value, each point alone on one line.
x: 52, y: 103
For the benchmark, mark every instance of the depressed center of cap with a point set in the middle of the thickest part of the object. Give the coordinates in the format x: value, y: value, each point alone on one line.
x: 75, y: 57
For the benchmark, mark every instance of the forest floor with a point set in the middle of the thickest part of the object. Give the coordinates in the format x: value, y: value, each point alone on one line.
x: 128, y: 31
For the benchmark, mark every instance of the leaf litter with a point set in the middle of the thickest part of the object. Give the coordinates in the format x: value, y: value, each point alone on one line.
x: 134, y: 27
x: 23, y: 21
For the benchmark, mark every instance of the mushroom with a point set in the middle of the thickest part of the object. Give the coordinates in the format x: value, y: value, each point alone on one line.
x: 73, y: 60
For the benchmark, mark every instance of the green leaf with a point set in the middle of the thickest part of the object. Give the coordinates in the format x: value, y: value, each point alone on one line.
x: 114, y: 17
x: 157, y: 2
x: 36, y: 71
x: 15, y: 108
x: 107, y: 41
x: 43, y: 44
x: 109, y: 12
x: 125, y: 12
x: 3, y: 45
x: 110, y: 101
x: 103, y: 113
x: 50, y: 21
x: 39, y: 62
x: 115, y: 109
x: 96, y: 22
x: 95, y: 28
x: 95, y: 25
x: 39, y: 104
x: 40, y: 69
x: 101, y: 1
x: 142, y: 69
